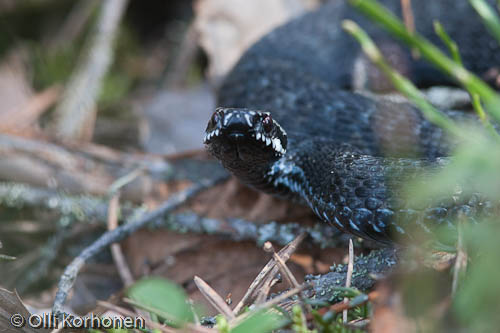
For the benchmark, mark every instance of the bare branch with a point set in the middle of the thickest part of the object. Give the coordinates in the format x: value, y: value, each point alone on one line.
x: 78, y: 106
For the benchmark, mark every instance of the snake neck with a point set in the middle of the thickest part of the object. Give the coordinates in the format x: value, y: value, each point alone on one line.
x: 281, y: 178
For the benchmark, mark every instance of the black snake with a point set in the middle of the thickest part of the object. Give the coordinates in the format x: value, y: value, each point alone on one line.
x: 291, y: 125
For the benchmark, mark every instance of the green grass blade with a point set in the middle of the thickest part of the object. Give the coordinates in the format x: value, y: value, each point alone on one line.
x: 490, y: 18
x: 401, y: 83
x: 450, y: 43
x: 433, y: 54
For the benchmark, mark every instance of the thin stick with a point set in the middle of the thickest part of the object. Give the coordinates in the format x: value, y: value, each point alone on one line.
x: 460, y: 260
x: 408, y: 15
x: 68, y: 278
x: 409, y: 23
x: 348, y: 280
x: 292, y: 281
x: 270, y: 303
x: 21, y: 119
x: 116, y: 250
x: 78, y: 104
x: 287, y: 273
x: 214, y: 298
x: 268, y: 271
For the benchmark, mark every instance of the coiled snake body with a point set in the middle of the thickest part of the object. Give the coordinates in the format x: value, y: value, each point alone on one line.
x: 291, y: 126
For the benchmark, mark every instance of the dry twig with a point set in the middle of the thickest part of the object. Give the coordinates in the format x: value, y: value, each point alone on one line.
x: 348, y: 280
x: 76, y: 113
x: 268, y: 272
x: 116, y: 250
x: 21, y: 119
x: 214, y: 298
x: 460, y: 260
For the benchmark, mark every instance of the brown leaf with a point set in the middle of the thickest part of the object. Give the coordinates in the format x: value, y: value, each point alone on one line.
x: 12, y: 308
x: 227, y: 28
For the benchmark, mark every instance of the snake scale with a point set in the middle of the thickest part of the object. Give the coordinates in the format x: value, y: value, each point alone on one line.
x: 291, y: 124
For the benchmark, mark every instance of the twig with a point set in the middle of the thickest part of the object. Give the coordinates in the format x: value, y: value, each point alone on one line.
x: 263, y: 292
x: 116, y: 250
x: 460, y: 260
x: 292, y: 281
x: 287, y: 294
x: 408, y: 15
x: 74, y: 23
x: 270, y: 303
x: 348, y: 279
x: 47, y: 255
x: 44, y: 164
x: 379, y: 262
x: 77, y: 109
x: 93, y: 209
x: 18, y: 120
x: 409, y: 22
x: 214, y: 298
x: 83, y: 207
x: 268, y: 272
x: 68, y: 278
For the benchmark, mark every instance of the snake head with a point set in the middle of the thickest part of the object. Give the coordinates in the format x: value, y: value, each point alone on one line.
x: 244, y: 135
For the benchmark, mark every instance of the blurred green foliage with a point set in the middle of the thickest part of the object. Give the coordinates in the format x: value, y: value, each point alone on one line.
x: 164, y: 299
x: 473, y: 168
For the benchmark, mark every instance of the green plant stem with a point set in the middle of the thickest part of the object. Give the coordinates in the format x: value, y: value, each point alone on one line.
x: 483, y: 117
x: 490, y: 18
x: 450, y: 43
x: 467, y: 79
x: 401, y: 83
x: 455, y: 53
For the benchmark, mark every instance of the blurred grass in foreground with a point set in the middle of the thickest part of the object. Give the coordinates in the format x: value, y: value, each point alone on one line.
x: 473, y: 168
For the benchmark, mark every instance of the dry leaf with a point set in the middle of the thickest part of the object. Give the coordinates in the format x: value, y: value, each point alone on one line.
x: 227, y: 28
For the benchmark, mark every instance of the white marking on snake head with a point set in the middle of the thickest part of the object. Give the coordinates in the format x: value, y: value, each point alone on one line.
x: 277, y: 144
x: 247, y: 118
x: 226, y: 118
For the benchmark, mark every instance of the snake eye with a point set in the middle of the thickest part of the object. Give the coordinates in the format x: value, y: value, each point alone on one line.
x: 267, y: 123
x: 214, y: 119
